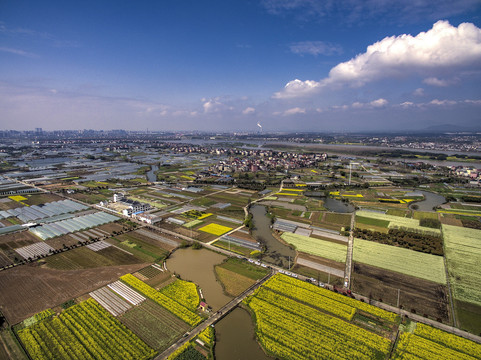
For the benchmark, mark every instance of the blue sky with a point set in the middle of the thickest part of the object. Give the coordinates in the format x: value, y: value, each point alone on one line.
x: 344, y: 65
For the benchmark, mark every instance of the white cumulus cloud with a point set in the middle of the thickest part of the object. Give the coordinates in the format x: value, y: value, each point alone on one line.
x: 294, y: 111
x: 378, y: 103
x: 434, y: 81
x: 248, y: 110
x: 444, y: 50
x: 441, y: 48
x: 297, y: 88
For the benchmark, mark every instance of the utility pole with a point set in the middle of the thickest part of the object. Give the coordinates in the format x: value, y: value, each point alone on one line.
x: 398, y: 294
x: 350, y: 170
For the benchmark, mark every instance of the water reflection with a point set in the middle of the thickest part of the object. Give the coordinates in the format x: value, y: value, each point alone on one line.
x: 198, y: 266
x: 235, y: 338
x: 277, y: 253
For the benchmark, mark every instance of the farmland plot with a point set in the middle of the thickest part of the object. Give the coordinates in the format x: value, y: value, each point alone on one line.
x: 84, y: 331
x: 127, y: 293
x: 110, y: 301
x: 99, y: 245
x: 404, y: 261
x: 153, y: 324
x: 430, y: 343
x: 463, y: 254
x: 34, y: 250
x: 215, y: 229
x: 27, y: 290
x: 314, y: 246
x: 290, y: 329
x: 398, y: 222
x: 172, y: 305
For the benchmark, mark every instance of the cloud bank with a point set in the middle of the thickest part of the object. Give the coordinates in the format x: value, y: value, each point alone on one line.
x: 444, y: 50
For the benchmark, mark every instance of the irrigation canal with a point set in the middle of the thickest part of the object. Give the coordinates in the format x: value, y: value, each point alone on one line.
x: 213, y: 319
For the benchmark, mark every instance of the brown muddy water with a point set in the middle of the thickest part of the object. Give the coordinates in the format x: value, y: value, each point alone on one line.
x: 198, y: 266
x: 277, y: 253
x: 235, y: 338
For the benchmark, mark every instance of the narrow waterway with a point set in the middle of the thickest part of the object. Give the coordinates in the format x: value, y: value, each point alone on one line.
x: 151, y: 174
x: 198, y: 266
x: 277, y: 253
x: 235, y: 338
x: 331, y: 204
x: 430, y: 201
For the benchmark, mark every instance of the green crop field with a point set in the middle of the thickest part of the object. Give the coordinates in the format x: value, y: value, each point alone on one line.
x: 399, y: 222
x: 425, y: 215
x: 314, y: 246
x: 372, y: 221
x: 463, y: 254
x: 342, y: 219
x: 404, y: 261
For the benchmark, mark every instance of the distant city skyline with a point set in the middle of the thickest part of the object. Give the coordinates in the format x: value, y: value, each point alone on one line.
x: 270, y: 65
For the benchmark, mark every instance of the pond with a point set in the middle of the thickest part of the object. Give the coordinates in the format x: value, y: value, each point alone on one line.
x: 277, y: 253
x: 331, y: 204
x: 235, y: 338
x: 198, y: 266
x: 430, y: 201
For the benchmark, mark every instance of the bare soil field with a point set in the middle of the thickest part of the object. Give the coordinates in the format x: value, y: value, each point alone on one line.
x: 60, y: 241
x: 17, y: 239
x: 10, y: 242
x: 4, y: 260
x: 43, y: 198
x: 27, y: 290
x: 111, y: 227
x: 416, y: 295
x: 84, y: 258
x: 451, y: 220
x: 9, y: 204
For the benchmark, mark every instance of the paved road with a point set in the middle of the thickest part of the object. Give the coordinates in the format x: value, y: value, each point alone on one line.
x: 212, y: 319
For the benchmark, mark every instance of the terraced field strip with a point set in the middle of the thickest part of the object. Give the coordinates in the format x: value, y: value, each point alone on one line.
x: 157, y: 237
x: 34, y: 250
x: 127, y: 293
x: 99, y: 245
x: 78, y: 238
x: 320, y: 267
x: 318, y: 247
x: 229, y: 219
x: 110, y: 301
x: 330, y: 235
x: 98, y: 233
